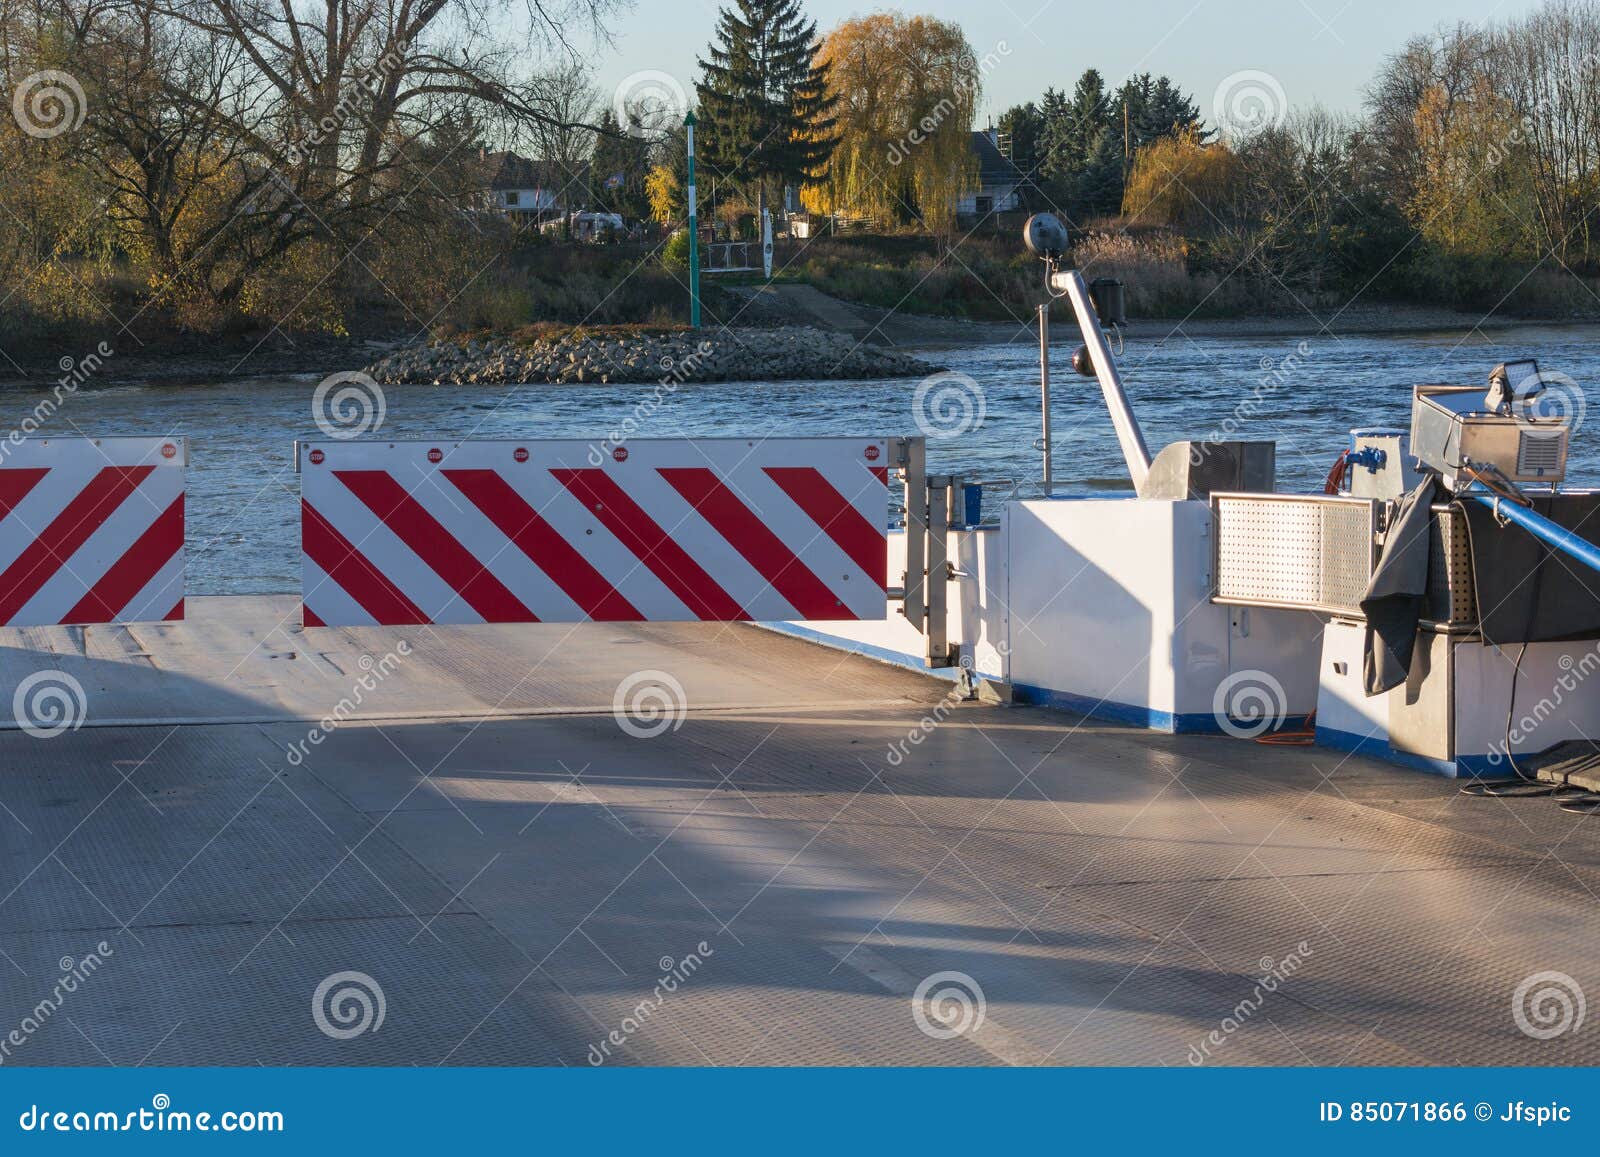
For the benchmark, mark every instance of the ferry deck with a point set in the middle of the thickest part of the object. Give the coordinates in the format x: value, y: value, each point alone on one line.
x: 519, y: 874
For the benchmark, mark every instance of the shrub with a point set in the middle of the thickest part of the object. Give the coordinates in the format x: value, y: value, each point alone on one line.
x: 675, y: 253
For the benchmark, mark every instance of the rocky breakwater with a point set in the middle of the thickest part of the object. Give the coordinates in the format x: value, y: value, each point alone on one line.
x: 738, y: 355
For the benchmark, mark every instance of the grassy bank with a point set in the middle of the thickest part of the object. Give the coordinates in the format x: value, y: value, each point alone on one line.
x: 538, y: 289
x: 1168, y: 275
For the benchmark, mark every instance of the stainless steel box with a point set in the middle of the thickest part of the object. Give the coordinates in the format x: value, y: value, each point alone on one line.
x: 1451, y: 428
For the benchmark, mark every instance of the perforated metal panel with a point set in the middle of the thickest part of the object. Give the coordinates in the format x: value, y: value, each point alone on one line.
x: 1452, y: 599
x: 1287, y: 550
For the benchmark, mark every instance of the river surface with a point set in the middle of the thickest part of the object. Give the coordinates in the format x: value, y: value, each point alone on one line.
x: 243, y: 495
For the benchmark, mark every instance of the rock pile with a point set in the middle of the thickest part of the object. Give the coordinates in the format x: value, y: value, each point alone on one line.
x: 736, y: 355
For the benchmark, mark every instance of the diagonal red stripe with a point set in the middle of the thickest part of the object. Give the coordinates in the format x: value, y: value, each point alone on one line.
x: 540, y: 541
x: 436, y: 546
x: 15, y: 482
x: 176, y: 613
x: 70, y: 529
x: 346, y: 566
x: 664, y: 558
x: 310, y: 618
x: 126, y: 577
x: 862, y: 542
x: 751, y: 537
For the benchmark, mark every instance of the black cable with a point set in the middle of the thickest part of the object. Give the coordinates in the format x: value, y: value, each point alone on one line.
x: 1516, y: 675
x: 1509, y: 789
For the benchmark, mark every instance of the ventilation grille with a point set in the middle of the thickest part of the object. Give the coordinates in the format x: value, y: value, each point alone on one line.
x: 1540, y: 454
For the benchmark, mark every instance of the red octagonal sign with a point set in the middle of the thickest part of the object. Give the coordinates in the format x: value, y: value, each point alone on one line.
x: 872, y: 453
x: 520, y: 453
x: 436, y: 455
x: 620, y: 453
x: 316, y: 457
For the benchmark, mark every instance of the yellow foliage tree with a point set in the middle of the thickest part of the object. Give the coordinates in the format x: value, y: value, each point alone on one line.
x: 1183, y: 182
x: 665, y: 193
x: 1475, y: 195
x: 908, y: 90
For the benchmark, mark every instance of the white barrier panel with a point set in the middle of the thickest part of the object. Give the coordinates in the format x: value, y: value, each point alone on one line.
x: 91, y: 530
x: 669, y: 529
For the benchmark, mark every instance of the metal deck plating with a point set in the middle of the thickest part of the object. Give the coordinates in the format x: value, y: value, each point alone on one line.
x: 518, y: 873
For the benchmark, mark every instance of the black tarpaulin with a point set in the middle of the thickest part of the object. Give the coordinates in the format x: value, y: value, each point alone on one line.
x: 1395, y: 594
x: 1529, y: 592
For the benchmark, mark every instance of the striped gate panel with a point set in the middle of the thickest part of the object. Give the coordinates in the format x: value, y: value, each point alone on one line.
x: 91, y: 530
x: 664, y: 530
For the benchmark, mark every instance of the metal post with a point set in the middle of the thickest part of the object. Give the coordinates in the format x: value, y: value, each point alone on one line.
x: 694, y: 233
x: 914, y: 461
x: 1044, y: 393
x: 1129, y: 436
x: 938, y: 653
x: 766, y: 244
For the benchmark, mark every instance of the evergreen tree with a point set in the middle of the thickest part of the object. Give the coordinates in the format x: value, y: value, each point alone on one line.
x: 1097, y: 191
x: 618, y: 168
x: 1168, y: 112
x: 1088, y: 113
x: 1073, y: 127
x: 765, y: 109
x: 1023, y: 124
x: 1057, y: 160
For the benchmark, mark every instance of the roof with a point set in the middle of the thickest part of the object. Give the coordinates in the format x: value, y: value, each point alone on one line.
x: 993, y: 168
x: 513, y: 171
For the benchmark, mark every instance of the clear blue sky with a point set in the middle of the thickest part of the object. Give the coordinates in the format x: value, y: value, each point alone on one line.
x: 1317, y: 50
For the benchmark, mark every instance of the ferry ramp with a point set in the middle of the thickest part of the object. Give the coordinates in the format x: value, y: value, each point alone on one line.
x: 766, y: 869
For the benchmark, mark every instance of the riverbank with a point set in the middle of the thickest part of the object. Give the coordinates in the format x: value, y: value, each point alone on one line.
x: 785, y: 353
x: 901, y: 328
x: 859, y: 334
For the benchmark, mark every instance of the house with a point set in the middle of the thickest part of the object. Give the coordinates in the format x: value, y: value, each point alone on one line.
x: 526, y: 189
x: 1000, y: 183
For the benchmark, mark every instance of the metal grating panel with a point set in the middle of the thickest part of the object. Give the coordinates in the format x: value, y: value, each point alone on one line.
x: 1294, y: 551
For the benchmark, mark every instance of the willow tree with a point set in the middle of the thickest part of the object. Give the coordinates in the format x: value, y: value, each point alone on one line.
x: 907, y: 89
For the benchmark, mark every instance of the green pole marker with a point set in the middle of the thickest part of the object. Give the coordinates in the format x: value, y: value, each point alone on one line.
x: 694, y: 234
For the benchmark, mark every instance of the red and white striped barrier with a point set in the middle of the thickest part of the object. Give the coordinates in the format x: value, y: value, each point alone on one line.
x: 91, y: 530
x: 566, y: 531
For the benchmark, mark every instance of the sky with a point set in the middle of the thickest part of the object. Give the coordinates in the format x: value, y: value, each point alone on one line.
x: 1226, y: 53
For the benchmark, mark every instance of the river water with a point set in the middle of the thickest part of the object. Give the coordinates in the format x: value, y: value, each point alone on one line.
x: 1306, y: 393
